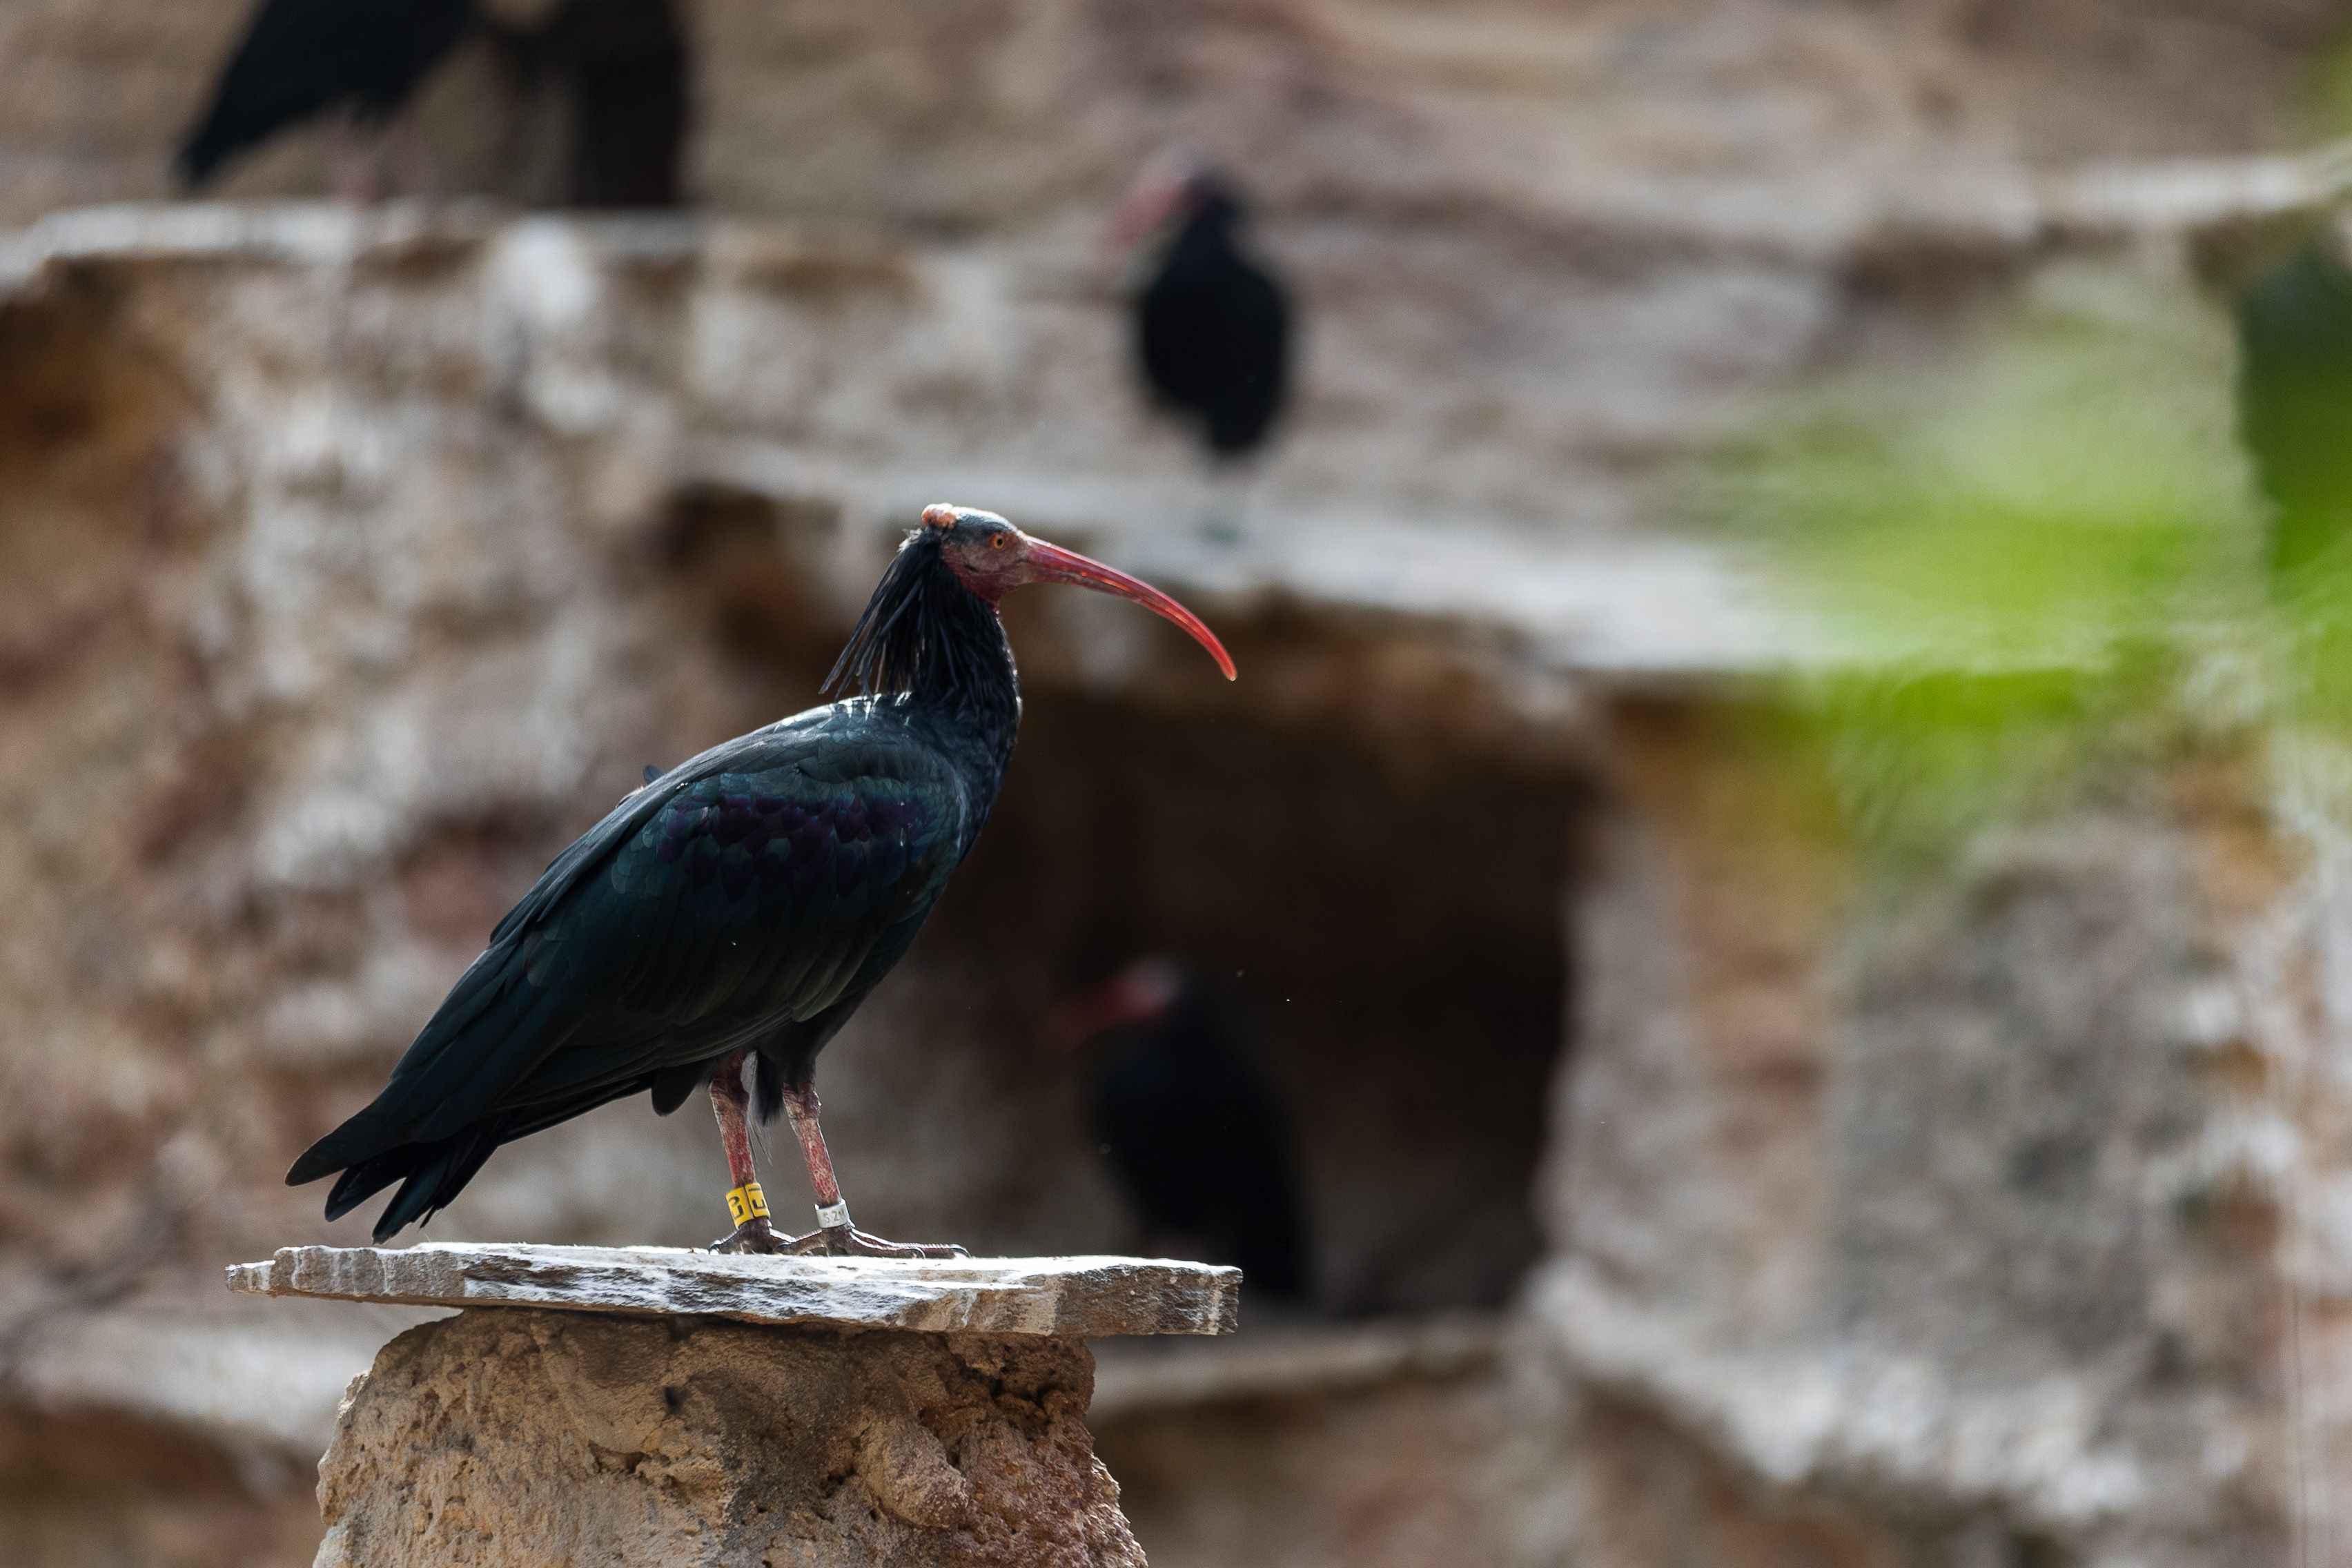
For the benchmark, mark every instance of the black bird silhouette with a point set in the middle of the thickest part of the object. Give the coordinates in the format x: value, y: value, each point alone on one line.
x: 733, y: 912
x: 1212, y: 326
x: 2295, y: 406
x: 620, y: 68
x: 301, y: 58
x: 1197, y: 1137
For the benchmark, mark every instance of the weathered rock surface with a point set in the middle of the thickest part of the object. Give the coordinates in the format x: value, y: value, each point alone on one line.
x: 1972, y: 1217
x: 1071, y: 1297
x: 1706, y: 117
x: 519, y: 1438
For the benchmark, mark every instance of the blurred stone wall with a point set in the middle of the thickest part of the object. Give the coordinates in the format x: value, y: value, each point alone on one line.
x: 1979, y: 1215
x: 98, y: 95
x: 997, y: 111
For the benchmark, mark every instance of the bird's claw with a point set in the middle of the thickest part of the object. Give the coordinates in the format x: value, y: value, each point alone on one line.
x: 847, y: 1241
x: 754, y: 1235
x: 841, y: 1240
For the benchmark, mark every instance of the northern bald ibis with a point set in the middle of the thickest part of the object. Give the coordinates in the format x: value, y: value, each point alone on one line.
x: 1199, y: 1140
x: 619, y: 69
x: 721, y: 923
x: 1213, y: 325
x: 360, y: 59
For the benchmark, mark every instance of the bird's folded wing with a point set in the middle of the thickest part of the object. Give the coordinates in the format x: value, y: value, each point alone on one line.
x: 740, y: 892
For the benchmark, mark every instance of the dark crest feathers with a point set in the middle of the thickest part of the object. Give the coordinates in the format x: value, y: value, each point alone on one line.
x: 923, y: 633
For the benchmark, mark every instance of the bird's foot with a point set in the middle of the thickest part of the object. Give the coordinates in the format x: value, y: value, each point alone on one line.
x: 835, y: 1237
x: 754, y: 1235
x: 843, y: 1241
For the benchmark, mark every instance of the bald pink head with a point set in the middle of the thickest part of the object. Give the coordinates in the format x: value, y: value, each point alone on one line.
x: 991, y: 558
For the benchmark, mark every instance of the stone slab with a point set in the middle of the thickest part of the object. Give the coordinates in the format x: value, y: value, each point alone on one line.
x: 1083, y: 1297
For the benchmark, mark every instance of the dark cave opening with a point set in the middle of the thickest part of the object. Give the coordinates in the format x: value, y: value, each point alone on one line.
x: 1393, y: 927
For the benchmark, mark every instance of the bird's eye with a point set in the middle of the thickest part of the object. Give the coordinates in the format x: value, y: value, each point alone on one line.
x: 996, y: 541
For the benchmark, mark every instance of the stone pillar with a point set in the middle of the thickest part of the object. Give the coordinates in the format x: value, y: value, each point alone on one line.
x: 649, y: 1407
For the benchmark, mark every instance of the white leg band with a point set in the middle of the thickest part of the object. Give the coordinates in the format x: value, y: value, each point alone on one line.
x: 832, y: 1216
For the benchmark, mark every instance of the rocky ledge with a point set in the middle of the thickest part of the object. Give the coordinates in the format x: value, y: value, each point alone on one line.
x: 1067, y: 1298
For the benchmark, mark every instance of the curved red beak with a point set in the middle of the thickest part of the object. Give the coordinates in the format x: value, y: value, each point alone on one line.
x: 1052, y: 564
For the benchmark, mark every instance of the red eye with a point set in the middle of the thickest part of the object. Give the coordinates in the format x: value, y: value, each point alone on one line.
x: 996, y: 541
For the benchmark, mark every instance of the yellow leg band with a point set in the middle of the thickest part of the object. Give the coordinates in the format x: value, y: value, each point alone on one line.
x: 747, y: 1203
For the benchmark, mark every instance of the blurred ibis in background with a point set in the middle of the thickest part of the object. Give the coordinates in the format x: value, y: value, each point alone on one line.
x: 721, y: 923
x: 1197, y: 1138
x: 624, y: 64
x: 619, y: 68
x: 2294, y: 405
x: 356, y: 61
x: 1213, y: 325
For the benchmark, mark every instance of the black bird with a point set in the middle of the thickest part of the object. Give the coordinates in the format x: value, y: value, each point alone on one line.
x: 1197, y: 1137
x: 621, y: 68
x: 1213, y: 326
x: 731, y: 914
x: 301, y: 58
x: 2294, y: 407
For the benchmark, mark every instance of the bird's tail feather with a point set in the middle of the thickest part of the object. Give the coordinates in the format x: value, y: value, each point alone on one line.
x: 366, y: 1179
x: 433, y: 1173
x: 449, y: 1079
x: 197, y: 157
x: 437, y: 1180
x: 430, y: 1175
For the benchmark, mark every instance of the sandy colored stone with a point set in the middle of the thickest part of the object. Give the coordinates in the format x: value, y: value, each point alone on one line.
x: 1912, y: 1217
x: 515, y: 1439
x: 1006, y: 107
x: 1071, y: 1297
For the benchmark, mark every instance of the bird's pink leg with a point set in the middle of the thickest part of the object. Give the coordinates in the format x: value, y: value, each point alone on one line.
x: 753, y: 1231
x: 802, y: 1106
x: 351, y: 159
x: 833, y: 1232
